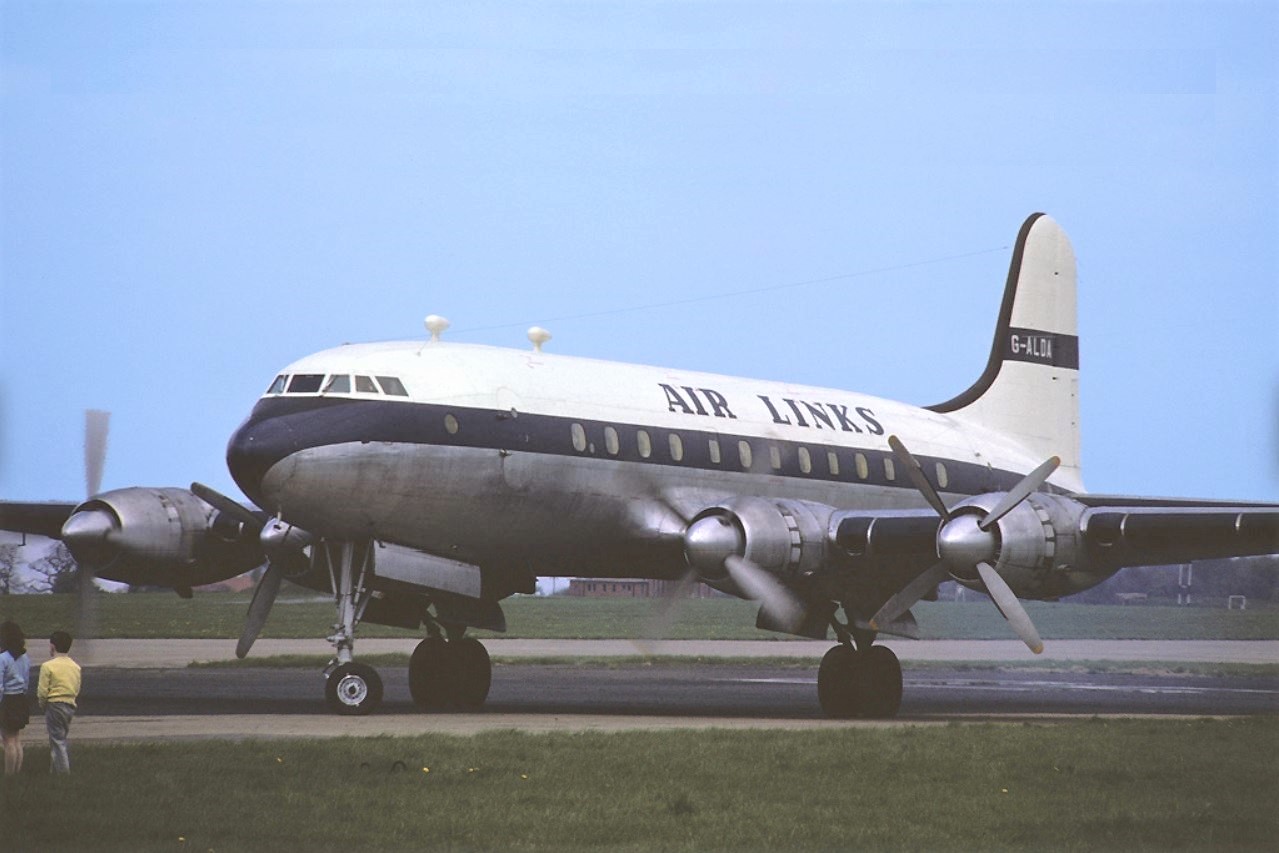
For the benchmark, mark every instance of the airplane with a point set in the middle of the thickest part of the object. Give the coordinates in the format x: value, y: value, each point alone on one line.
x: 422, y: 482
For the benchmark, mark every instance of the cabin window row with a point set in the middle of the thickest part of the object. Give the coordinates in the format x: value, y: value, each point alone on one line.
x: 742, y: 452
x: 336, y: 383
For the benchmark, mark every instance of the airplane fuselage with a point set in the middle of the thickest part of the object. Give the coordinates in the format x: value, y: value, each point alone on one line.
x: 587, y: 466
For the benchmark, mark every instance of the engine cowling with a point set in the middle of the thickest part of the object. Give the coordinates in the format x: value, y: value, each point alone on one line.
x: 160, y: 536
x: 784, y: 537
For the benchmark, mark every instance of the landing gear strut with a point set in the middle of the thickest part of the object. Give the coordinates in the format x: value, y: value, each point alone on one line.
x: 859, y: 679
x: 450, y: 674
x: 350, y: 688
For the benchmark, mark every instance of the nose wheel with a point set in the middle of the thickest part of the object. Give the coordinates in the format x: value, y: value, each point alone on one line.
x: 353, y: 689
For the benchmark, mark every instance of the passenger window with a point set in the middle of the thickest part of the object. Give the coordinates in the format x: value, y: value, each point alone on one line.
x: 364, y: 385
x: 610, y: 441
x: 339, y: 383
x: 579, y: 438
x: 713, y: 446
x: 306, y: 383
x: 677, y: 447
x: 451, y: 424
x: 277, y: 387
x: 805, y: 461
x: 943, y: 479
x: 744, y: 452
x: 775, y: 457
x: 863, y: 467
x: 832, y: 462
x: 391, y: 385
x: 644, y: 443
x: 890, y: 473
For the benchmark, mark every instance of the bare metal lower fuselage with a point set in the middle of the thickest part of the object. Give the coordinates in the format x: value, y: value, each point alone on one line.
x: 557, y: 515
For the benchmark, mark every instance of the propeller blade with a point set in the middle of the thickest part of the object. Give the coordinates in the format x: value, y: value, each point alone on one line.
x: 665, y: 612
x: 916, y: 475
x: 903, y: 626
x: 1018, y: 493
x: 764, y: 587
x: 904, y: 600
x: 223, y: 504
x: 86, y: 609
x: 96, y: 424
x: 89, y: 529
x: 1010, y: 607
x: 260, y: 607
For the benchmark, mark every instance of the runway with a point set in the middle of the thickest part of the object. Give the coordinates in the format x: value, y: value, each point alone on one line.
x: 147, y: 703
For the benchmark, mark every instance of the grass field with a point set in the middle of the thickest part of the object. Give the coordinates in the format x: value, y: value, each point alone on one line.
x: 1090, y: 785
x: 221, y: 615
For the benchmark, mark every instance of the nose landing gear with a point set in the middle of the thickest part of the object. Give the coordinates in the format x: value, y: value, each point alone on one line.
x: 350, y: 688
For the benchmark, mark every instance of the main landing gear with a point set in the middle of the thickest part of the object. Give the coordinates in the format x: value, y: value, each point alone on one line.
x: 859, y: 679
x: 450, y: 674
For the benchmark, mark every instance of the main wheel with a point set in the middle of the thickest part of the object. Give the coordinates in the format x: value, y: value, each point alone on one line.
x: 883, y: 673
x: 353, y: 689
x: 473, y: 672
x: 837, y: 677
x: 429, y: 681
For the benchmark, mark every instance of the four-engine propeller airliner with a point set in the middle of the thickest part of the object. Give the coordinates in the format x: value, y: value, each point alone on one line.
x: 423, y: 482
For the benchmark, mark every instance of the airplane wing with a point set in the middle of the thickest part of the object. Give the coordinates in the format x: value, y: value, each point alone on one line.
x: 40, y: 519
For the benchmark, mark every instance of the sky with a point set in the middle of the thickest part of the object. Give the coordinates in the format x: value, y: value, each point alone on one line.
x: 194, y: 194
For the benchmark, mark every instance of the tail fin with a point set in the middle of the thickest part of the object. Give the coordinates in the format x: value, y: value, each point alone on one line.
x: 1030, y: 388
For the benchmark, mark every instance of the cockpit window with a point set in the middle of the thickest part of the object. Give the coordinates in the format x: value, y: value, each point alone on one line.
x: 391, y: 385
x: 277, y: 387
x: 364, y: 385
x: 339, y: 383
x: 305, y: 383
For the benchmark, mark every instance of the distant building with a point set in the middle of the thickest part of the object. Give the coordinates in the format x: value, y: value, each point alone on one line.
x: 635, y: 588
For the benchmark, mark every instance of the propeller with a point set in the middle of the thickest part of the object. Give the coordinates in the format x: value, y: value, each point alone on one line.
x: 712, y: 546
x: 277, y: 539
x: 93, y: 526
x: 713, y: 542
x: 965, y: 542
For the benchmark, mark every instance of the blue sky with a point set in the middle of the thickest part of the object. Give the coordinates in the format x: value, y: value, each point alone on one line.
x: 194, y: 194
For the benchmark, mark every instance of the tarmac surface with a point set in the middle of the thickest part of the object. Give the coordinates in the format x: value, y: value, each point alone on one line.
x: 143, y: 690
x: 180, y: 653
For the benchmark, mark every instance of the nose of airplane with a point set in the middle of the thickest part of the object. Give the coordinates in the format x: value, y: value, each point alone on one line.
x: 258, y: 444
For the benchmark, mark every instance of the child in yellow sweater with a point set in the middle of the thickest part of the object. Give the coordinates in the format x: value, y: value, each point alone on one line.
x: 57, y: 692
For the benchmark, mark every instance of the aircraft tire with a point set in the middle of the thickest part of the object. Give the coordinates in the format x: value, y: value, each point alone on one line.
x: 883, y: 675
x: 473, y: 672
x: 429, y: 679
x: 838, y: 691
x: 353, y: 689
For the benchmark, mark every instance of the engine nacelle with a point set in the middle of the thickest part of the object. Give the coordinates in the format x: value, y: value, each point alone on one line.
x: 161, y: 536
x: 785, y: 537
x: 1041, y: 551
